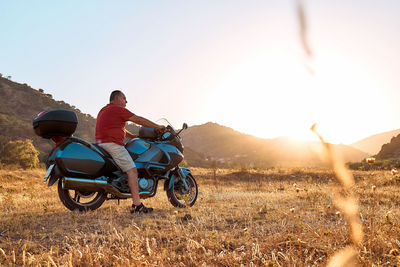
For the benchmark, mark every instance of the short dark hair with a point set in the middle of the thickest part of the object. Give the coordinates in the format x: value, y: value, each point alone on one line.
x: 114, y: 94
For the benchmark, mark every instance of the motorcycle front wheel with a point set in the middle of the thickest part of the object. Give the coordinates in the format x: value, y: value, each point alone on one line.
x: 80, y: 200
x: 181, y: 195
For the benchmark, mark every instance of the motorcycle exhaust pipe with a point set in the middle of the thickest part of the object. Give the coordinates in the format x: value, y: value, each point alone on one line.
x: 92, y: 185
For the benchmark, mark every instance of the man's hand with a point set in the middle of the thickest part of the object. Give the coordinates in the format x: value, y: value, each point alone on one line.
x: 161, y: 128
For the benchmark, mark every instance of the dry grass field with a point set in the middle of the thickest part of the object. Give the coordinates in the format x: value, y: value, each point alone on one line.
x: 274, y: 217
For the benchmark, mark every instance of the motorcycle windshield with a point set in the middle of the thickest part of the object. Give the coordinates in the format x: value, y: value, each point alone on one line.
x: 165, y: 123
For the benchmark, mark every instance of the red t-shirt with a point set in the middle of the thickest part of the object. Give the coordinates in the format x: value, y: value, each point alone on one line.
x: 110, y: 124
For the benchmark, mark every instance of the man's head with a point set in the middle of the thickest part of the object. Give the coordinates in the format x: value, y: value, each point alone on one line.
x: 118, y: 98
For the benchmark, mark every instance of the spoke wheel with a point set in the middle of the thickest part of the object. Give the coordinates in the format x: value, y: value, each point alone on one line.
x: 80, y: 200
x: 183, y: 196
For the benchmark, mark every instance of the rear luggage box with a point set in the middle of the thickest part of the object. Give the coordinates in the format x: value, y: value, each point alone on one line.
x: 56, y: 122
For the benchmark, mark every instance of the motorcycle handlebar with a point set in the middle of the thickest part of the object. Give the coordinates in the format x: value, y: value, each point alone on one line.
x: 170, y: 130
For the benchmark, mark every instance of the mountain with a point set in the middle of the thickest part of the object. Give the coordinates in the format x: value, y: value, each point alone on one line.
x: 20, y: 103
x: 205, y: 145
x: 390, y: 150
x: 373, y: 144
x: 231, y: 148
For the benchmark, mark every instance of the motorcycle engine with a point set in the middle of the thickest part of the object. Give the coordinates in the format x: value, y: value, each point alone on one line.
x: 145, y: 184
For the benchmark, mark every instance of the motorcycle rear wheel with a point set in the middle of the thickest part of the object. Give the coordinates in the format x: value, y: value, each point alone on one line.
x: 179, y: 197
x: 82, y: 201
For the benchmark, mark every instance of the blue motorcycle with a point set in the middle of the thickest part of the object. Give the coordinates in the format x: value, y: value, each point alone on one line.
x: 87, y: 175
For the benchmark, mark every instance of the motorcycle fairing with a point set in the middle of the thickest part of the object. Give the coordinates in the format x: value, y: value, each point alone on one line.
x: 153, y: 154
x: 158, y: 158
x: 173, y: 155
x: 137, y: 146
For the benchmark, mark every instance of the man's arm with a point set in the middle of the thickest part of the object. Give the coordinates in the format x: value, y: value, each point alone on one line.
x: 145, y: 122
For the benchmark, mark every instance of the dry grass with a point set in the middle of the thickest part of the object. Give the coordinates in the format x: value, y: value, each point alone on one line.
x: 275, y: 217
x: 347, y: 202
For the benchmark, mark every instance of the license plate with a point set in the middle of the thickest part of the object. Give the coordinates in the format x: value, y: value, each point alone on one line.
x: 46, y: 177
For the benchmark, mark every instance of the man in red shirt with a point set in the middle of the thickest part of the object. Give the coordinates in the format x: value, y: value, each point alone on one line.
x: 110, y: 134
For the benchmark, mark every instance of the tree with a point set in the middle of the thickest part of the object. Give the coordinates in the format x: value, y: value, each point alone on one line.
x: 21, y: 152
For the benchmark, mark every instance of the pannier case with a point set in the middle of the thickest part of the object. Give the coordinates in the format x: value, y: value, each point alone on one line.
x: 79, y: 159
x: 56, y: 122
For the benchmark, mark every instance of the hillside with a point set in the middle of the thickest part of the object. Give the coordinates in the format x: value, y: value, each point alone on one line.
x: 390, y: 150
x: 231, y: 148
x: 204, y: 144
x: 19, y: 104
x: 373, y: 144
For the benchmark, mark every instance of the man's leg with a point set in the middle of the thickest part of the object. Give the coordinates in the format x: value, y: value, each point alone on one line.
x: 125, y: 162
x: 133, y: 185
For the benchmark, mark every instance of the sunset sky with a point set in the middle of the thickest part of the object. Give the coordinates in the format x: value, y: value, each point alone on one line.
x: 237, y: 63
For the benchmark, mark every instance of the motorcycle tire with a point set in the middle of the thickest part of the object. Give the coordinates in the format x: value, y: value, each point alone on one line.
x: 74, y: 203
x: 177, y: 195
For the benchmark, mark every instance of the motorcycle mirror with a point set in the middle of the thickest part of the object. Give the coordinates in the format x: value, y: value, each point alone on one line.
x: 185, y: 126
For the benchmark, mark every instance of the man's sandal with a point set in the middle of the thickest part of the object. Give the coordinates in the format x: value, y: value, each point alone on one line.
x: 140, y: 209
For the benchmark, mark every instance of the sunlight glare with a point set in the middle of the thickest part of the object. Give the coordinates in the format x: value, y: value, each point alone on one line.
x: 269, y: 94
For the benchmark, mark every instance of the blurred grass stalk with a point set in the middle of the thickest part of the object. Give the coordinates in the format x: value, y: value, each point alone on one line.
x: 346, y: 202
x: 303, y: 27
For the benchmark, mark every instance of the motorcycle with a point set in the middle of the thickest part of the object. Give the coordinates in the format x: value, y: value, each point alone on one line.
x: 87, y: 175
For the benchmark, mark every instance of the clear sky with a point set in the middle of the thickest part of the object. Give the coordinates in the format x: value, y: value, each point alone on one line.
x: 237, y: 63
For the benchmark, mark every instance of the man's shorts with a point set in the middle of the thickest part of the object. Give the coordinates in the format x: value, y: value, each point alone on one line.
x: 120, y: 155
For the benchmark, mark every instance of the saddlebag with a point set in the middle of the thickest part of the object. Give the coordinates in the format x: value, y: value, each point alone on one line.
x: 56, y: 122
x: 78, y: 158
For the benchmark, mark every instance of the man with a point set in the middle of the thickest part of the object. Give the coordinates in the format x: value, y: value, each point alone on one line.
x: 110, y: 134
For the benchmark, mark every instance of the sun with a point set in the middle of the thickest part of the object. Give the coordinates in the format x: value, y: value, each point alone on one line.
x: 266, y: 100
x: 271, y: 94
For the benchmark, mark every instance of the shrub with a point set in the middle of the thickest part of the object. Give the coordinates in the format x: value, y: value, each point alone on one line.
x: 20, y: 152
x: 386, y: 164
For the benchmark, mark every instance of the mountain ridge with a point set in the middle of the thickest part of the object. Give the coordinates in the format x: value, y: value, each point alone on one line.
x: 205, y: 143
x: 231, y: 148
x: 373, y: 144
